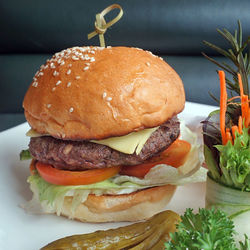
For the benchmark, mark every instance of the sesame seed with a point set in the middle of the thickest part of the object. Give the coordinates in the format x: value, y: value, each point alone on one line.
x: 35, y: 84
x: 68, y: 84
x: 52, y: 65
x: 104, y: 94
x: 87, y: 64
x: 55, y: 73
x: 75, y: 58
x: 86, y: 68
x: 78, y: 77
x: 40, y: 74
x: 62, y: 63
x: 109, y: 99
x: 63, y: 135
x: 147, y: 63
x: 53, y: 89
x: 92, y: 52
x: 70, y: 65
x: 48, y: 106
x: 71, y: 110
x: 59, y: 82
x: 92, y: 59
x: 68, y: 72
x: 46, y: 66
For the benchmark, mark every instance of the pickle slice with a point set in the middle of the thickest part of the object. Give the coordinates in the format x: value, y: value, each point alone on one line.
x: 148, y: 234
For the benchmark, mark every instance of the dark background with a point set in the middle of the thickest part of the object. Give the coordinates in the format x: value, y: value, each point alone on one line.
x: 31, y: 31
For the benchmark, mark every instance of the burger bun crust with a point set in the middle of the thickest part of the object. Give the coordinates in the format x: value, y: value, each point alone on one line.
x: 95, y: 93
x: 136, y: 206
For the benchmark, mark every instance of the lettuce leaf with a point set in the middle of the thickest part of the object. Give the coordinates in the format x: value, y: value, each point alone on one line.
x: 49, y: 198
x: 235, y: 162
x: 25, y: 155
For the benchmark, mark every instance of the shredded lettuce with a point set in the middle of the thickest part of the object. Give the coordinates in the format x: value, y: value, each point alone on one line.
x: 51, y: 197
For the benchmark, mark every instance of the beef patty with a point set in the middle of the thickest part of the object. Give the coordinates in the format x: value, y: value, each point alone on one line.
x: 80, y: 155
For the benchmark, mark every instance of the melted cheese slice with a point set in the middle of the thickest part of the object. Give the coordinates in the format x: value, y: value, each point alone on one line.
x: 33, y: 133
x: 127, y: 144
x: 130, y: 143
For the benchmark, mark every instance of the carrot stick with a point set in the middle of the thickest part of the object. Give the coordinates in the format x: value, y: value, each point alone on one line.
x: 240, y: 124
x: 234, y: 130
x: 244, y: 106
x: 223, y: 106
x: 244, y: 101
x: 240, y: 84
x: 233, y: 98
x: 247, y: 121
x: 229, y: 137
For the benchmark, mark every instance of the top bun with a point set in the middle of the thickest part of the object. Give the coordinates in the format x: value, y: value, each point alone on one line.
x: 95, y: 93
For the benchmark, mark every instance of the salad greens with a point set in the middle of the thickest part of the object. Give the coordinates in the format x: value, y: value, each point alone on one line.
x: 235, y: 161
x: 207, y: 230
x: 228, y: 164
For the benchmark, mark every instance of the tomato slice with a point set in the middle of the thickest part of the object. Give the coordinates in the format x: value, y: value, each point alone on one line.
x: 32, y: 167
x: 175, y: 156
x: 65, y: 177
x: 177, y: 153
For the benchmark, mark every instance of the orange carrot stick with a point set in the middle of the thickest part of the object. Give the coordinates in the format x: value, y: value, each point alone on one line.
x: 244, y: 106
x: 223, y: 106
x: 247, y: 121
x: 233, y: 98
x: 240, y: 85
x: 234, y: 130
x: 229, y: 137
x: 244, y: 101
x: 240, y: 124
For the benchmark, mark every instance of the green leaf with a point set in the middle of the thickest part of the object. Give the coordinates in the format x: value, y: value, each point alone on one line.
x: 235, y: 162
x: 208, y: 230
x: 211, y: 163
x: 245, y: 245
x: 25, y: 155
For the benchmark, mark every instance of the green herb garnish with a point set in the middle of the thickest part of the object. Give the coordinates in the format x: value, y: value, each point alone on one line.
x: 237, y: 55
x: 207, y: 230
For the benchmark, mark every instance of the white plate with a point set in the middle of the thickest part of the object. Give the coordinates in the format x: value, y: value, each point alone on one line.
x: 19, y: 230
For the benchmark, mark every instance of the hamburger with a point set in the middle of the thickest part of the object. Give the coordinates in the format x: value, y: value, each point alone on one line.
x: 105, y: 138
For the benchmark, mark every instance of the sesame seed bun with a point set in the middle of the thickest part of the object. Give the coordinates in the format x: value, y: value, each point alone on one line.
x: 95, y: 93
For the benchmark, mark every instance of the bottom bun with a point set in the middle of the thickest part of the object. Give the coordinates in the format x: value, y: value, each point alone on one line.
x: 126, y: 207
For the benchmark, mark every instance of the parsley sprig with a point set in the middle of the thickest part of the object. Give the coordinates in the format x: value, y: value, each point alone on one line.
x: 207, y: 230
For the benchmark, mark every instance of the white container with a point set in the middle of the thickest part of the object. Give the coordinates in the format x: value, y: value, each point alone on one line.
x: 235, y: 203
